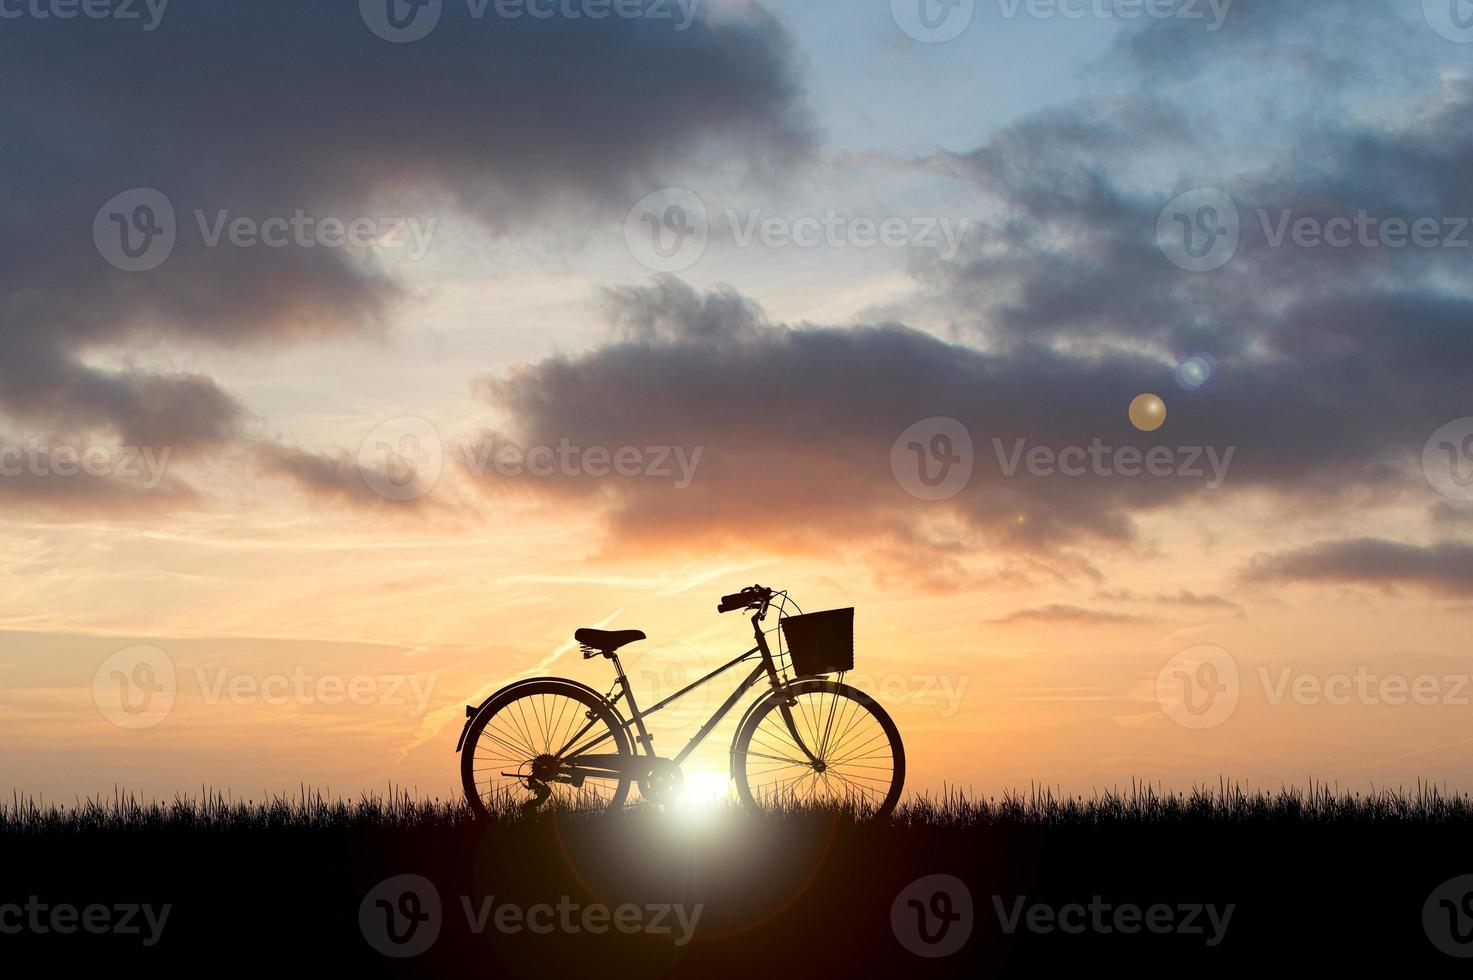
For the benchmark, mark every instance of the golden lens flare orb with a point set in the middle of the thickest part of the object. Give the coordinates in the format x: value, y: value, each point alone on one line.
x: 1148, y: 413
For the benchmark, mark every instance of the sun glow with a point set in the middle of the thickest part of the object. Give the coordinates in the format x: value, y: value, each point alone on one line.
x: 703, y: 793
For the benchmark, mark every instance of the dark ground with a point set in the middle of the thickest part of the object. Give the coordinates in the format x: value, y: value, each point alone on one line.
x: 1312, y: 884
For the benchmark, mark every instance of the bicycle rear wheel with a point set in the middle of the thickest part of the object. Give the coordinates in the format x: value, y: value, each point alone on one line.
x: 857, y: 756
x: 514, y: 750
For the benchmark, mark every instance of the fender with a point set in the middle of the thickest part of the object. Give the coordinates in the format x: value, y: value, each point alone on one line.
x: 472, y: 711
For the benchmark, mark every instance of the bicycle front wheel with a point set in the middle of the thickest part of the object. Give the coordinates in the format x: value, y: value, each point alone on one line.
x: 853, y: 755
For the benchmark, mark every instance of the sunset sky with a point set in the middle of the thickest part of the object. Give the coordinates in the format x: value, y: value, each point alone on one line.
x: 348, y: 505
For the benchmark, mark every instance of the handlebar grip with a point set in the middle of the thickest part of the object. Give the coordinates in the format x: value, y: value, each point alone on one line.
x: 748, y: 598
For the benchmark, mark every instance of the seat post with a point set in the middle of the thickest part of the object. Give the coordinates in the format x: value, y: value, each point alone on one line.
x: 643, y: 738
x: 624, y: 683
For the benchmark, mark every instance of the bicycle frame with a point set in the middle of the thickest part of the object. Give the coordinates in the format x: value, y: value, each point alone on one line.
x: 585, y: 765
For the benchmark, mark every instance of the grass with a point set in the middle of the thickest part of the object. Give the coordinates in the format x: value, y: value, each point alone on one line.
x: 1140, y: 805
x: 307, y: 810
x: 797, y: 891
x: 1144, y: 804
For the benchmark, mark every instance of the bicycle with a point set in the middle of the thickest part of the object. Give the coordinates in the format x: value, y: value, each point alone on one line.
x: 551, y: 741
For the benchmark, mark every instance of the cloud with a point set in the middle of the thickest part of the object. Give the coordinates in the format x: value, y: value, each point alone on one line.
x: 88, y: 481
x: 1446, y: 514
x: 1065, y: 614
x: 796, y: 425
x: 1445, y: 568
x: 179, y: 411
x: 273, y: 108
x: 1326, y: 42
x: 1066, y: 254
x: 1333, y: 364
x: 1076, y: 259
x: 331, y: 477
x: 1185, y: 599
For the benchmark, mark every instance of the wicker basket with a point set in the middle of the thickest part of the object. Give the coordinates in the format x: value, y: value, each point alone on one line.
x: 821, y: 642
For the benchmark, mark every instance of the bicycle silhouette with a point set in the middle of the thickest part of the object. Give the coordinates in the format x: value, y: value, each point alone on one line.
x: 808, y: 741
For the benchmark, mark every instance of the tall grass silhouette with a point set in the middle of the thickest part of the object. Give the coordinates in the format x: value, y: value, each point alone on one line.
x: 951, y: 809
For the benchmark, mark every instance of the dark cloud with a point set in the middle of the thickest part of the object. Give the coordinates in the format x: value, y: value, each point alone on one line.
x: 1074, y: 257
x: 329, y: 477
x: 1445, y: 568
x: 1077, y: 261
x: 88, y: 481
x: 262, y: 109
x: 796, y: 426
x: 179, y: 411
x: 1333, y: 364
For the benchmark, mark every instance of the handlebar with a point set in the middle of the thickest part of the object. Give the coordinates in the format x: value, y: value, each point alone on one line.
x: 752, y: 597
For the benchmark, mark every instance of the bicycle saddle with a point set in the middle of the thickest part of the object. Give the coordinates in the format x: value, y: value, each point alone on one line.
x: 607, y: 641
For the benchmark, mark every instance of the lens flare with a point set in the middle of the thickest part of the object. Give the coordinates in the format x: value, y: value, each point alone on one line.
x: 1196, y: 371
x: 704, y: 791
x: 1148, y: 413
x: 702, y: 801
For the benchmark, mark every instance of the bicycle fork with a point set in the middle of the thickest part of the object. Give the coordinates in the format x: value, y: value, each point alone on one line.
x: 786, y: 702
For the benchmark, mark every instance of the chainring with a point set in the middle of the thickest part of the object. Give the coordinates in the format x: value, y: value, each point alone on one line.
x: 662, y: 782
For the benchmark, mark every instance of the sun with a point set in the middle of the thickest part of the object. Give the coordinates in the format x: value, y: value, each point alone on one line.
x: 703, y: 794
x: 705, y: 790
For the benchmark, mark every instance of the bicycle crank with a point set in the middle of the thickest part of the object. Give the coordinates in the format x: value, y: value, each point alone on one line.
x: 662, y: 782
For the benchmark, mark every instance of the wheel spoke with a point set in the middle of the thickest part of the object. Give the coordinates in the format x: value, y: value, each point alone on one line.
x: 779, y: 758
x: 857, y: 763
x: 523, y: 733
x: 860, y: 748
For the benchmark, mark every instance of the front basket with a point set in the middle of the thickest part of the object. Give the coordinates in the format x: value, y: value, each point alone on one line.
x: 821, y: 642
